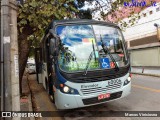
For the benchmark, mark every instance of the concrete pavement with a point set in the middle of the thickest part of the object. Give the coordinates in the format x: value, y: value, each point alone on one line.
x: 145, y: 96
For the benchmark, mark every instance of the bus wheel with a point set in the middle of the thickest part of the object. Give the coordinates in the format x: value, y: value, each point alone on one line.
x: 51, y: 93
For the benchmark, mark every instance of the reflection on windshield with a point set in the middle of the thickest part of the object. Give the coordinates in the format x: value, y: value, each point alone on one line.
x: 78, y: 41
x: 113, y: 40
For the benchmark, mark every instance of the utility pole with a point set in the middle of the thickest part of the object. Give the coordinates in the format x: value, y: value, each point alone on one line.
x: 14, y: 58
x: 1, y: 65
x: 10, y: 57
x: 6, y: 55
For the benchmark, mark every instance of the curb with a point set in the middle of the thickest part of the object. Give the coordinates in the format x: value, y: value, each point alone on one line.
x: 146, y: 74
x: 30, y: 99
x: 30, y: 106
x: 33, y: 101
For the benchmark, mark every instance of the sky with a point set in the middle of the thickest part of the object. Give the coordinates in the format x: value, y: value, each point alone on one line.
x: 125, y: 10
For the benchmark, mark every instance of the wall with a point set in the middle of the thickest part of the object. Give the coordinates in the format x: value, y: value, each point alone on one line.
x: 142, y: 40
x: 145, y: 57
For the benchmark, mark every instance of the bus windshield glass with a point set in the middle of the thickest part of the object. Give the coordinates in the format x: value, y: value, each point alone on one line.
x: 81, y: 47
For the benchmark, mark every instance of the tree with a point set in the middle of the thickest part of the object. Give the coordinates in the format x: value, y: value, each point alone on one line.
x: 84, y: 14
x: 33, y: 18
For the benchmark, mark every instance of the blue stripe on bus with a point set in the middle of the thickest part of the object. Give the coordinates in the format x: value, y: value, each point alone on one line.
x: 60, y: 77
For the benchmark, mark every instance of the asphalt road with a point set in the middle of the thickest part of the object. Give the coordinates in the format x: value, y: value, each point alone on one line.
x: 145, y: 96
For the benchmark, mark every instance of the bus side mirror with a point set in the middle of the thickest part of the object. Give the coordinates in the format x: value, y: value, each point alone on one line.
x: 54, y: 35
x: 56, y: 41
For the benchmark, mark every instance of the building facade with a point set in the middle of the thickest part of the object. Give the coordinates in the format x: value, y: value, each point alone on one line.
x: 143, y: 40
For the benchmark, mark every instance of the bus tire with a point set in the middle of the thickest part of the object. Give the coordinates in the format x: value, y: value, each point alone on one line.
x: 50, y: 91
x: 52, y: 98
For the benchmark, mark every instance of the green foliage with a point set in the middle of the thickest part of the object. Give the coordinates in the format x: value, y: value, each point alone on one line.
x: 84, y: 14
x: 35, y: 16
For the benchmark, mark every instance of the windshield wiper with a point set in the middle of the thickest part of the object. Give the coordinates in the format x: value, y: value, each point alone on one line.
x: 89, y: 59
x: 106, y: 50
x: 94, y: 51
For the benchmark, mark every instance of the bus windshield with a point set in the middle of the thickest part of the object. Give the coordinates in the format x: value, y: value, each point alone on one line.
x: 81, y: 47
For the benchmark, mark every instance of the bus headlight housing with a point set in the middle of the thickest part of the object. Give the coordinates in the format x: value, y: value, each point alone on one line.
x: 127, y: 81
x: 68, y: 90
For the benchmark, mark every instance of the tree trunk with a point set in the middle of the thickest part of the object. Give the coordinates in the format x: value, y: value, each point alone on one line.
x: 24, y: 49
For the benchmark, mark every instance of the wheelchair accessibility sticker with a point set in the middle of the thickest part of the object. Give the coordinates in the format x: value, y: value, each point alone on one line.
x: 105, y: 63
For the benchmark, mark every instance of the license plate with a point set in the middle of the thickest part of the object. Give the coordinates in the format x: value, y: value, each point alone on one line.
x: 114, y: 82
x: 103, y: 96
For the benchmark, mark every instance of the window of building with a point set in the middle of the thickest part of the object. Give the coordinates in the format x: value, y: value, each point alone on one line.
x: 157, y: 9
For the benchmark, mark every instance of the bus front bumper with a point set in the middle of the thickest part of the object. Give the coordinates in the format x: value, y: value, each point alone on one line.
x: 68, y: 101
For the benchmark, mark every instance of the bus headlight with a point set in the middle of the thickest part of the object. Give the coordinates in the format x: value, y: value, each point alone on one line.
x: 66, y: 89
x: 127, y: 81
x: 129, y: 78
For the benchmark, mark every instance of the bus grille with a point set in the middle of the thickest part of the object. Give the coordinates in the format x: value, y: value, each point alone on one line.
x: 99, y: 90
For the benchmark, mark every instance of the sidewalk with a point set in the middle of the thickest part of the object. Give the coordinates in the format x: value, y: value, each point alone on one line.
x: 35, y: 99
x: 40, y: 99
x: 151, y: 71
x: 26, y: 102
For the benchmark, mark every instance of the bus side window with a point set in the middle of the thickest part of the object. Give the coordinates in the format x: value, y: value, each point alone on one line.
x: 38, y: 59
x: 118, y: 46
x: 52, y: 47
x: 44, y: 52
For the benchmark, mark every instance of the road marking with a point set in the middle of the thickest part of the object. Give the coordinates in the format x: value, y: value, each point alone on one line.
x: 146, y: 88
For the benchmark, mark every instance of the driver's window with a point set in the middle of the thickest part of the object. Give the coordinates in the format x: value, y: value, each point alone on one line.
x: 52, y: 46
x: 118, y: 46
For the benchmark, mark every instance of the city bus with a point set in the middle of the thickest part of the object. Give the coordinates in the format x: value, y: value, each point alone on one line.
x: 83, y: 62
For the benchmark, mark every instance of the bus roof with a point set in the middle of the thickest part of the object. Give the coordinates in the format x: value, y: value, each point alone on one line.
x: 77, y: 21
x: 80, y: 21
